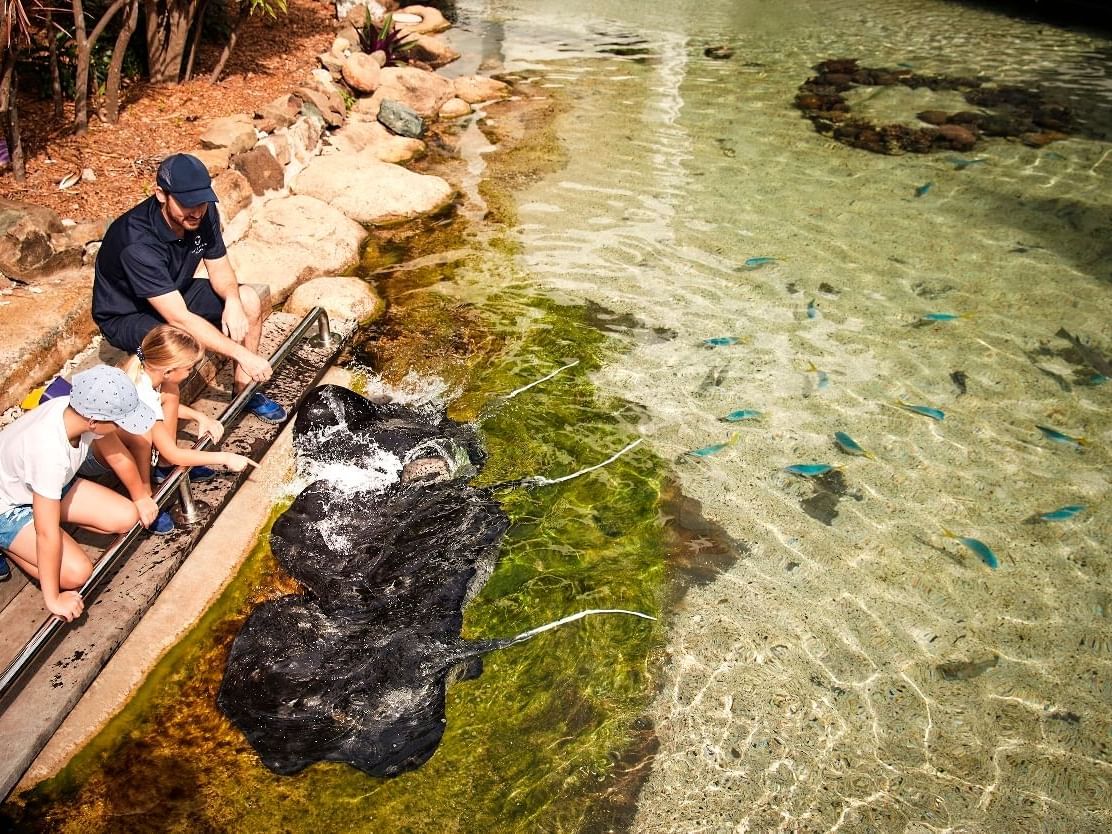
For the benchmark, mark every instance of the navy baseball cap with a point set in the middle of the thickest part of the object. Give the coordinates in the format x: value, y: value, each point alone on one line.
x: 186, y: 178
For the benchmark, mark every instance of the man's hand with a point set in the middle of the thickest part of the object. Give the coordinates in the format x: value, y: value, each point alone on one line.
x: 67, y: 605
x: 234, y: 320
x: 257, y: 368
x: 148, y: 510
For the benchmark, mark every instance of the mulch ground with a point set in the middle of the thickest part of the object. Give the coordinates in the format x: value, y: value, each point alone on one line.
x: 271, y: 57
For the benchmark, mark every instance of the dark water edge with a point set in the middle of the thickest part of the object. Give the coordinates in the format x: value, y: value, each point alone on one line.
x: 1093, y: 14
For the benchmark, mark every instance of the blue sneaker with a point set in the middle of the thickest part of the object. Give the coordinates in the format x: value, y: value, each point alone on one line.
x: 163, y: 525
x: 197, y: 474
x: 5, y: 569
x: 266, y: 409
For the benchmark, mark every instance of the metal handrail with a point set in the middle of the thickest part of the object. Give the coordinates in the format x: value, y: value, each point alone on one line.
x: 176, y: 480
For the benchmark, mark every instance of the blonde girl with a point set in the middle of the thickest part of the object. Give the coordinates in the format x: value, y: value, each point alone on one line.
x: 162, y: 363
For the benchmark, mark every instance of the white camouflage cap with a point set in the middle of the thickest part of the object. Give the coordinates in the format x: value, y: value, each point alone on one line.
x: 107, y: 393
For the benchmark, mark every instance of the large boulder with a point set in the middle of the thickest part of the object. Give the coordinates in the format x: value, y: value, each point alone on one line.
x: 341, y: 297
x: 360, y: 133
x: 402, y: 120
x: 434, y: 51
x: 236, y: 133
x: 234, y: 194
x: 454, y: 108
x: 34, y: 242
x: 316, y: 102
x: 260, y: 168
x: 476, y: 88
x: 292, y: 237
x: 371, y: 191
x: 282, y: 111
x: 304, y: 136
x: 361, y: 72
x: 215, y: 160
x: 421, y: 90
x: 431, y: 20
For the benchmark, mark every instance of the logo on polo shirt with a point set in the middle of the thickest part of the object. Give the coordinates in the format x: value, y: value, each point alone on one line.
x: 198, y: 246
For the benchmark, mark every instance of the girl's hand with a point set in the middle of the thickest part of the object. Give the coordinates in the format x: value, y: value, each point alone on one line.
x: 213, y: 428
x: 148, y: 510
x: 237, y: 463
x: 67, y: 605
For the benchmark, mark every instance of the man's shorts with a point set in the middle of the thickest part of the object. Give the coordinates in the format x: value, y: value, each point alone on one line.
x: 14, y: 519
x: 128, y: 332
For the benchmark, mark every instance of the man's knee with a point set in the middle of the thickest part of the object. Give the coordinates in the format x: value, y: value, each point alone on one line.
x: 252, y: 304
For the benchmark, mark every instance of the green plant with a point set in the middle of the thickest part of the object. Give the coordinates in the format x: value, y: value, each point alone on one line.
x: 385, y: 39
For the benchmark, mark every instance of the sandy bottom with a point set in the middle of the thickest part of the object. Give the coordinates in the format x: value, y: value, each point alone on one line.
x: 860, y: 670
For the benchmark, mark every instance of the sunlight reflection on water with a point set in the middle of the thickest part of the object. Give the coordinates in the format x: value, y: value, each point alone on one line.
x: 866, y: 672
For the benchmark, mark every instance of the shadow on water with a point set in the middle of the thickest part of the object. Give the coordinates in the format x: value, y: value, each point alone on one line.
x: 1082, y: 13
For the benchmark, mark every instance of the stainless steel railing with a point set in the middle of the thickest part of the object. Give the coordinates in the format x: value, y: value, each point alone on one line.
x: 177, y: 481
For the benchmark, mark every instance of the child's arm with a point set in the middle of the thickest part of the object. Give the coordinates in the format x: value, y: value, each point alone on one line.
x: 115, y: 454
x: 170, y: 453
x: 205, y: 424
x: 48, y: 557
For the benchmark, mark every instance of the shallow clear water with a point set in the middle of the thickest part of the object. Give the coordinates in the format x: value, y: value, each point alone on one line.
x: 859, y: 671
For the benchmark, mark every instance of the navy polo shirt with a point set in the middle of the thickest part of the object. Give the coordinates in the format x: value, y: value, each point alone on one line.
x: 141, y: 258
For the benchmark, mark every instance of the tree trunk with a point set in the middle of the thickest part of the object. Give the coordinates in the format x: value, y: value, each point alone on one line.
x: 195, y: 39
x: 8, y: 108
x: 244, y: 13
x: 81, y: 71
x: 168, y: 25
x: 85, y: 44
x: 112, y: 87
x: 55, y: 73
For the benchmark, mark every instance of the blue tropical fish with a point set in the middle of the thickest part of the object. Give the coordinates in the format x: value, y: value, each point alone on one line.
x: 1051, y: 433
x: 756, y: 263
x: 821, y: 377
x: 741, y: 414
x: 1062, y: 513
x: 810, y: 470
x: 812, y: 310
x: 1097, y: 379
x: 1053, y: 155
x: 923, y: 410
x: 923, y: 189
x: 981, y: 550
x: 714, y: 447
x: 721, y: 341
x: 960, y: 164
x: 850, y: 446
x: 942, y: 316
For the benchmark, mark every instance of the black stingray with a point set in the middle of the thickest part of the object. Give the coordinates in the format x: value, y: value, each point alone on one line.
x: 356, y: 669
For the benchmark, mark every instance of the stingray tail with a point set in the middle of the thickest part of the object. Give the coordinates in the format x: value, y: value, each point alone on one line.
x: 484, y: 646
x: 493, y: 407
x: 540, y: 480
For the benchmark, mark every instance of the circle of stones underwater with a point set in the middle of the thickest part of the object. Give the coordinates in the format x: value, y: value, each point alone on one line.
x: 1021, y: 113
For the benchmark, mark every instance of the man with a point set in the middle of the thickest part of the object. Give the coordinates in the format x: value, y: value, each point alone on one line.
x: 145, y: 277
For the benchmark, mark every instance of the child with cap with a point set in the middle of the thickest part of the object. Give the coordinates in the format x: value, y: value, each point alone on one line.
x: 40, y: 454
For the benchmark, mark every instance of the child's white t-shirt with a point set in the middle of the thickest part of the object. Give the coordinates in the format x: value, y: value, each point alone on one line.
x: 36, y: 455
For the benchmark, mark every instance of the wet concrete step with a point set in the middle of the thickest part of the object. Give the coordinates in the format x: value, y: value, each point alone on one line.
x: 66, y: 669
